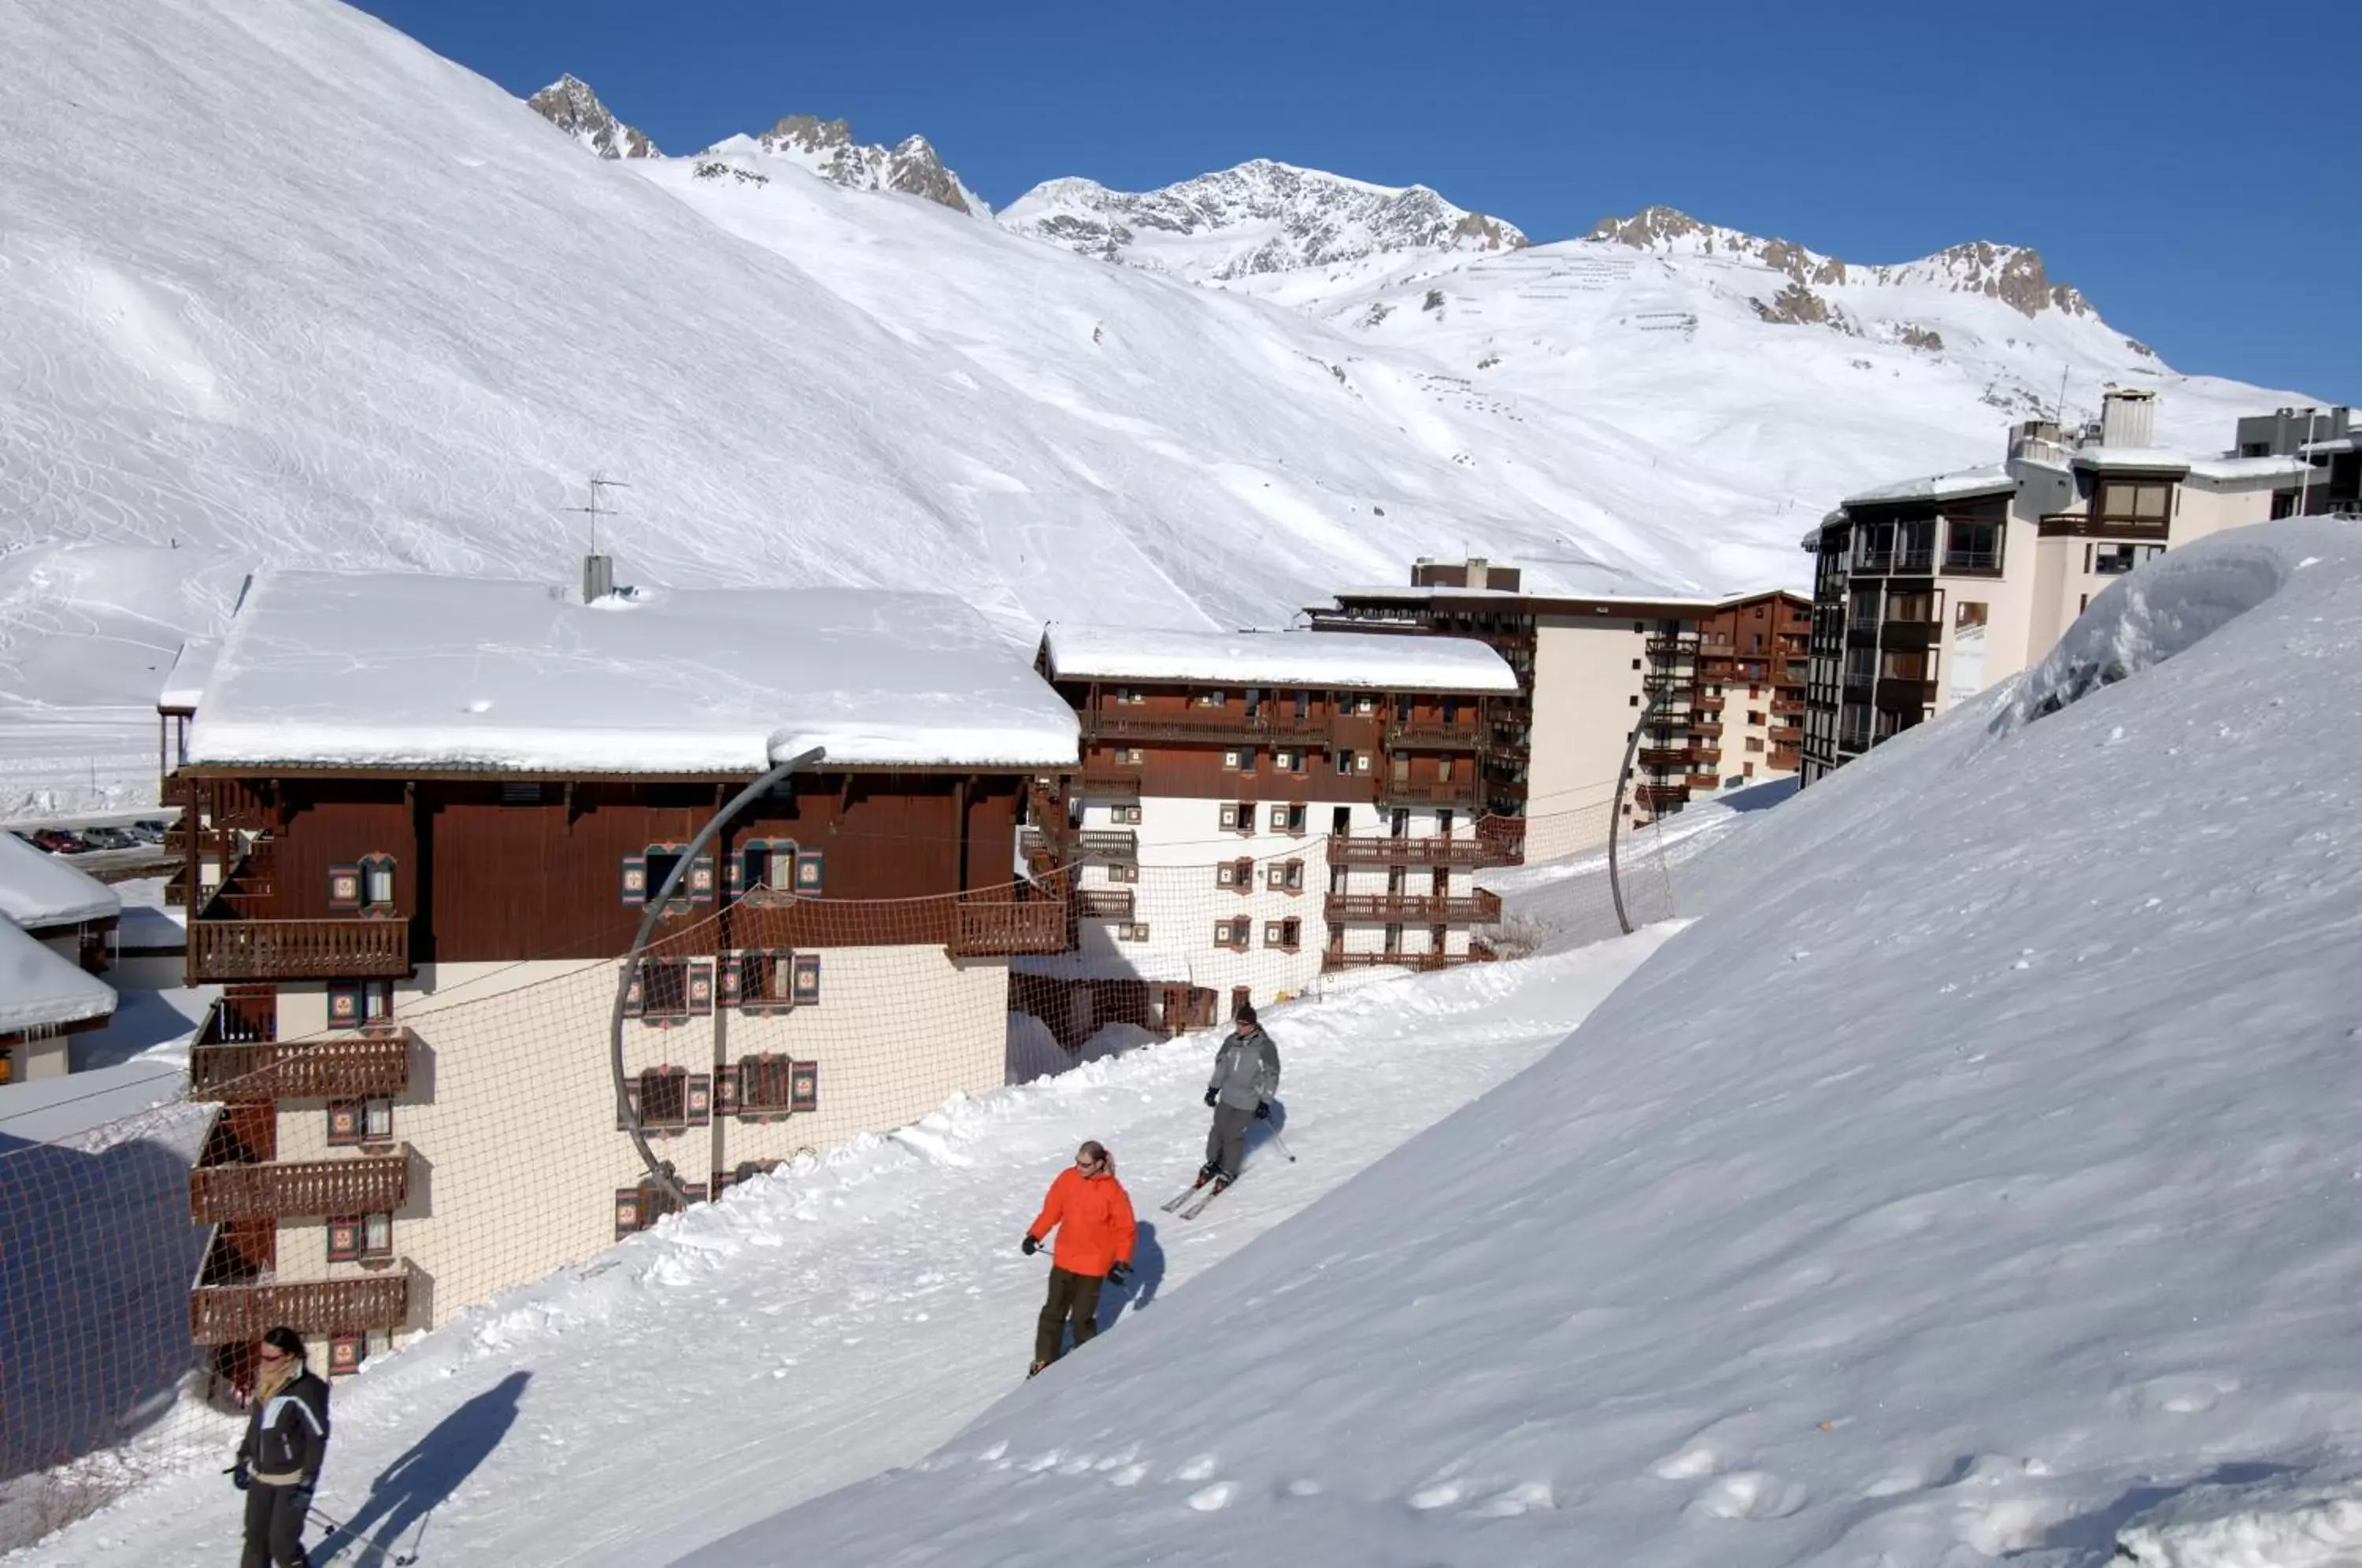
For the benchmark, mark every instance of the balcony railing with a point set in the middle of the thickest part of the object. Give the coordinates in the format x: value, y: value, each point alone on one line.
x: 1502, y: 842
x: 1405, y: 850
x: 1479, y: 908
x: 223, y: 950
x: 1407, y: 792
x: 1433, y: 735
x: 1786, y: 735
x: 1787, y: 704
x: 1334, y: 959
x: 1656, y: 797
x: 1673, y: 647
x: 991, y: 928
x: 227, y: 1314
x: 370, y: 1065
x: 1211, y: 726
x: 1104, y: 903
x: 1109, y: 786
x: 1664, y: 756
x: 1111, y: 843
x: 1706, y: 705
x: 1972, y: 563
x: 309, y: 1189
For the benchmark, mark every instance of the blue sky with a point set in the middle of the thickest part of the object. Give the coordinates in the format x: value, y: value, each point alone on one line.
x: 2196, y: 170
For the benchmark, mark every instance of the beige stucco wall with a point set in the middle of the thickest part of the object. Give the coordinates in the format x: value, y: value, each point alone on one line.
x: 511, y: 1112
x: 1583, y: 714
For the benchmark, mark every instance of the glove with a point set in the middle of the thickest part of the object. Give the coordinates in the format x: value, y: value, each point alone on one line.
x: 1030, y: 1245
x: 1118, y: 1274
x: 240, y: 1476
x: 303, y: 1490
x: 1263, y: 1110
x: 1209, y: 1098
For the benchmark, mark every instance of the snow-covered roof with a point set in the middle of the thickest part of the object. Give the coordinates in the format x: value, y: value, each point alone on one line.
x: 2227, y: 469
x: 192, y: 667
x: 2132, y: 459
x: 1277, y: 659
x: 40, y: 988
x: 1991, y: 479
x: 1423, y: 593
x: 393, y: 671
x: 38, y: 890
x: 2334, y: 444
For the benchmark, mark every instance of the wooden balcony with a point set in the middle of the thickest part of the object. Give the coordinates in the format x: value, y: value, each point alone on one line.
x: 1104, y: 903
x: 1787, y: 704
x: 1111, y: 843
x: 1407, y: 792
x: 1656, y: 797
x: 226, y: 1314
x: 1664, y: 756
x: 1673, y: 647
x: 1433, y: 735
x: 1479, y: 908
x: 221, y: 950
x: 308, y: 1189
x: 1463, y: 852
x: 1502, y: 841
x: 1786, y: 735
x: 371, y: 1065
x: 992, y: 928
x: 1333, y: 959
x: 1104, y: 785
x: 1706, y: 705
x: 1708, y: 781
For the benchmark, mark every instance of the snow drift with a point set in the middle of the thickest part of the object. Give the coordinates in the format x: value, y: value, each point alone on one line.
x: 1975, y: 1182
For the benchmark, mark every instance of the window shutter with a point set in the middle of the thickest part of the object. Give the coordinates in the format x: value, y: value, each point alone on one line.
x: 1273, y: 876
x: 635, y: 878
x: 701, y: 986
x: 733, y: 981
x: 803, y: 1086
x: 734, y: 870
x: 804, y: 984
x: 810, y: 872
x: 701, y: 880
x: 700, y: 1099
x: 629, y: 1112
x: 627, y: 1211
x: 1230, y: 817
x: 344, y: 1007
x: 344, y: 889
x: 726, y: 1096
x: 635, y: 994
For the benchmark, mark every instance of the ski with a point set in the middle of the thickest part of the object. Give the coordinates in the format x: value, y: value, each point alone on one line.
x: 1173, y: 1204
x: 1213, y: 1191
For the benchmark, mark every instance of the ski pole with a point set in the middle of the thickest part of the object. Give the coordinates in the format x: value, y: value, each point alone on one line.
x: 333, y: 1528
x: 1281, y: 1144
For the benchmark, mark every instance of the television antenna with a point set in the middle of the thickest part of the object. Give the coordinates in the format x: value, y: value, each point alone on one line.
x: 600, y: 484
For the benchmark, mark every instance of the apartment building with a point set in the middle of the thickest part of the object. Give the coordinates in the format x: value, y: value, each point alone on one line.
x: 440, y: 809
x: 1928, y: 591
x: 1753, y: 655
x: 56, y: 922
x: 1324, y: 789
x: 1590, y: 669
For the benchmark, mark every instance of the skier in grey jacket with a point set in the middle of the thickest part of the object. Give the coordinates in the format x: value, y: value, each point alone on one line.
x: 1246, y: 1075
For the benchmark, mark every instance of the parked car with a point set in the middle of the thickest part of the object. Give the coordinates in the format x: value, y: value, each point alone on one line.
x: 110, y: 838
x: 149, y: 829
x: 58, y: 841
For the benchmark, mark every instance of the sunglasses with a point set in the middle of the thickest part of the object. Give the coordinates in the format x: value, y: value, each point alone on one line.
x: 270, y: 1352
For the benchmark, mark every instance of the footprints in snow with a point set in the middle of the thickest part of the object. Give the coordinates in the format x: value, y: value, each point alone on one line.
x: 1211, y: 1493
x: 1732, y: 1495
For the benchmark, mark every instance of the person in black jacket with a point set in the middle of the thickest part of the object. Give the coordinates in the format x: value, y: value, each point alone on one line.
x: 279, y: 1462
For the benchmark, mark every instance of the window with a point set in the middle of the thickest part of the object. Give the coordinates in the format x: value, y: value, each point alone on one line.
x: 1755, y: 743
x: 377, y: 884
x: 360, y: 1003
x: 352, y: 1123
x: 520, y: 794
x: 1238, y: 874
x: 1132, y: 756
x: 1242, y: 817
x: 1128, y: 696
x: 1134, y: 932
x: 1288, y: 933
x: 1394, y: 938
x: 1755, y: 716
x: 360, y: 1238
x: 1634, y: 701
x: 1241, y: 997
x: 1636, y: 664
x: 1862, y: 613
x: 643, y: 875
x: 1231, y: 932
x: 1287, y: 876
x: 664, y: 987
x: 1344, y: 760
x: 1971, y: 546
x: 1254, y: 702
x: 1289, y: 819
x: 2284, y: 504
x: 1239, y: 759
x: 1442, y: 770
x: 2145, y: 502
x: 768, y: 865
x: 766, y: 1084
x: 1213, y: 699
x: 664, y: 1096
x: 1340, y: 820
x: 1914, y: 609
x: 1287, y: 761
x: 2113, y: 560
x: 1124, y: 816
x: 1121, y: 873
x: 767, y: 978
x: 660, y: 864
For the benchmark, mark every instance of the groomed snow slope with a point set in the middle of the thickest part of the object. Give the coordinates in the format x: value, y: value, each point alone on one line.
x: 1980, y: 1176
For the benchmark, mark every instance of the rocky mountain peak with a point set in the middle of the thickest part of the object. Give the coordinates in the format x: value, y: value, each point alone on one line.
x: 827, y: 148
x: 1259, y: 217
x: 570, y: 106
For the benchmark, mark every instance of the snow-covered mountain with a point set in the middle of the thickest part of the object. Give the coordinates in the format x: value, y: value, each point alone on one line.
x: 826, y: 148
x: 570, y: 106
x: 375, y: 315
x: 1259, y: 218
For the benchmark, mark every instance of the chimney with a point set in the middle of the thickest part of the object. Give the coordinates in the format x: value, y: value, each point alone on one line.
x: 597, y: 576
x: 2129, y: 418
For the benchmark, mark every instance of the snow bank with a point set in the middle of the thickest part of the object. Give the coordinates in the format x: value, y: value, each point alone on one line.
x: 1344, y: 659
x: 38, y: 889
x: 2295, y: 1519
x: 1990, y: 478
x: 384, y: 670
x: 1981, y: 1174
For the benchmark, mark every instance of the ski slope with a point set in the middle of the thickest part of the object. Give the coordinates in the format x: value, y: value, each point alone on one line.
x: 1975, y: 1183
x: 281, y: 286
x: 818, y: 1325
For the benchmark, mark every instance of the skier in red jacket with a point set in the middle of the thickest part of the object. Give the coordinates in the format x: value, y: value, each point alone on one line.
x: 1092, y: 1215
